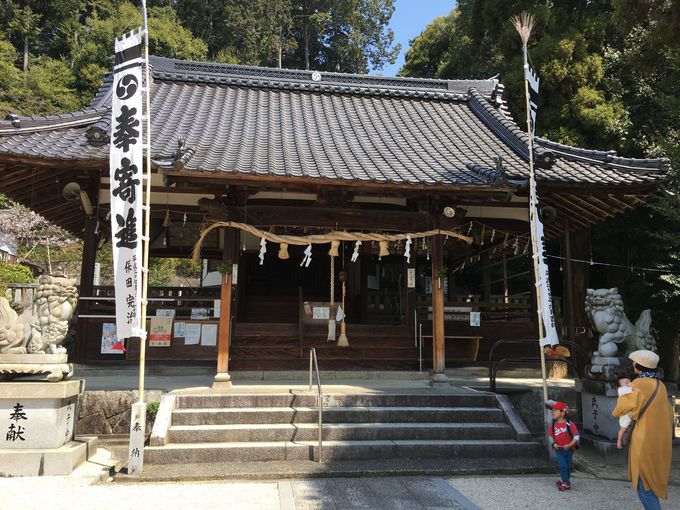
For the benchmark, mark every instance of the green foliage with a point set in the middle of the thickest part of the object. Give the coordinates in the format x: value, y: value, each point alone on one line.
x: 225, y: 267
x: 15, y: 273
x: 334, y: 35
x: 70, y: 42
x: 152, y: 411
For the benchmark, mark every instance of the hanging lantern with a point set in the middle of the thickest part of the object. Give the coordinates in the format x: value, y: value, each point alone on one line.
x: 283, y: 251
x: 333, y: 252
x: 384, y: 249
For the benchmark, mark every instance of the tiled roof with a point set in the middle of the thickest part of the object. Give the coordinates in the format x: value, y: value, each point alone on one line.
x: 249, y: 120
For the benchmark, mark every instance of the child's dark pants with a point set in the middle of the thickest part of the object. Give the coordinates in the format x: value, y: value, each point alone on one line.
x: 564, y: 458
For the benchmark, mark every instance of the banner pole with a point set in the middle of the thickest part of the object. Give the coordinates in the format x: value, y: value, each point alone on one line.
x: 138, y: 411
x: 534, y: 234
x: 524, y: 25
x: 147, y: 203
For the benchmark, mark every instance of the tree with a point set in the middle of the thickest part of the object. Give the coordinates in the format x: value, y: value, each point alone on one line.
x: 31, y: 230
x: 343, y: 35
x: 336, y: 35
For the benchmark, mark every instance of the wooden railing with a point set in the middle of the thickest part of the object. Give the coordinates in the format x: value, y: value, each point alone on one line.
x: 181, y: 299
x: 517, y: 309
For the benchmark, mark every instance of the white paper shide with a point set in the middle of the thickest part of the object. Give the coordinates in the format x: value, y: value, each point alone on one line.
x: 126, y: 169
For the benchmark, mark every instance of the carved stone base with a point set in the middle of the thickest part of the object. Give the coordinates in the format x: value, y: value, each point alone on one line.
x: 17, y: 365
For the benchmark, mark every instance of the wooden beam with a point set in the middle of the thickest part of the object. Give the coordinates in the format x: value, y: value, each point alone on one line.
x: 585, y: 203
x: 566, y: 213
x: 617, y: 210
x: 572, y: 206
x: 356, y: 218
x: 279, y: 181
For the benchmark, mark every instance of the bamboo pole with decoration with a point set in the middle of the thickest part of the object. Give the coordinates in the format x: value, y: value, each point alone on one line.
x: 138, y: 411
x: 524, y: 24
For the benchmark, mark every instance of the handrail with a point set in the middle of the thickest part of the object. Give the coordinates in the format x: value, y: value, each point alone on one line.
x: 319, y: 393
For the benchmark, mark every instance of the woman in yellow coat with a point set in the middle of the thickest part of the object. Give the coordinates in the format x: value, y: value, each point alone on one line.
x: 649, y: 453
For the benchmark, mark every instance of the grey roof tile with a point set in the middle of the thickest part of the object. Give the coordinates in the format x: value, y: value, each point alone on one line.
x: 247, y: 120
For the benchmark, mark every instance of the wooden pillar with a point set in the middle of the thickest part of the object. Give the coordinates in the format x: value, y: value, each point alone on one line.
x: 410, y: 293
x: 568, y: 283
x: 580, y: 280
x: 486, y: 277
x: 438, y: 346
x: 86, y: 287
x: 222, y: 378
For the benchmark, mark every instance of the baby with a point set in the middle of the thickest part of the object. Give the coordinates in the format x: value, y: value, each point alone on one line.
x: 625, y: 420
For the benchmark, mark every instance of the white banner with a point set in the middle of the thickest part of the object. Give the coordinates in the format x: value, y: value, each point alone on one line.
x: 543, y: 283
x: 533, y: 82
x: 126, y: 170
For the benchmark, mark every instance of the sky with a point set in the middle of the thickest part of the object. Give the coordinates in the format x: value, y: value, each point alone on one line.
x: 409, y: 20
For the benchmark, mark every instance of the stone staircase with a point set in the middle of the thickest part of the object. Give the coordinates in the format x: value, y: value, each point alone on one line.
x: 232, y: 428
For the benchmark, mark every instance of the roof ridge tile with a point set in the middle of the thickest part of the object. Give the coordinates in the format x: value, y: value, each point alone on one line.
x: 507, y: 130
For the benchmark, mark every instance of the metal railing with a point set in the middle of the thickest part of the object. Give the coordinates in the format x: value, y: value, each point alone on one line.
x: 578, y: 355
x: 319, y: 395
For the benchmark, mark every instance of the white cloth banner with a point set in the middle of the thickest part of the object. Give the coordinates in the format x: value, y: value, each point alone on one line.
x: 543, y: 283
x: 126, y: 171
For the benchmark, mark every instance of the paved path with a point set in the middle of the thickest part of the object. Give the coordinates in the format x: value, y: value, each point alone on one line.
x: 403, y: 493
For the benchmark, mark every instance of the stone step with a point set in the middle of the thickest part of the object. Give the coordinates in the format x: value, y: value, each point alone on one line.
x: 338, y: 432
x: 217, y: 416
x: 335, y: 400
x: 339, y: 450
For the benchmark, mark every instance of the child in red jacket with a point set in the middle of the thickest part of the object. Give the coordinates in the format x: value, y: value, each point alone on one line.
x: 564, y: 435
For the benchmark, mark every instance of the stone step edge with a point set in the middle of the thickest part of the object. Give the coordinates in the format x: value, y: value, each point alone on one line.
x: 340, y: 444
x: 390, y: 425
x: 290, y: 470
x: 376, y: 409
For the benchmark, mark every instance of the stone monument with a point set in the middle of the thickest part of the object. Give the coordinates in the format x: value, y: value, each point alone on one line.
x: 618, y: 337
x: 37, y: 418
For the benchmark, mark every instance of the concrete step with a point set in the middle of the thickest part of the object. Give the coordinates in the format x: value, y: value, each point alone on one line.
x: 335, y: 400
x: 339, y: 450
x: 216, y: 416
x: 338, y: 432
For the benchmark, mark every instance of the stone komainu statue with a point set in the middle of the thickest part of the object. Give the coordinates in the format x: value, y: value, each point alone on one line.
x: 618, y: 336
x: 43, y: 327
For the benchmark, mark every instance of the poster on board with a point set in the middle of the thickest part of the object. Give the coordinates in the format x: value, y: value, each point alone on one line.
x: 109, y: 339
x: 160, y: 332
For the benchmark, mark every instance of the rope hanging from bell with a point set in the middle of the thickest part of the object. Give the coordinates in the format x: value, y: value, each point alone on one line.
x: 331, y: 317
x: 342, y: 276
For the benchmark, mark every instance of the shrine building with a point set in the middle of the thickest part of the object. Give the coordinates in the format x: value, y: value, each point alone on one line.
x: 297, y: 153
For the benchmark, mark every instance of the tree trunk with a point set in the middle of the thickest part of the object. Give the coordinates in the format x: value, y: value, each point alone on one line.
x: 25, y: 54
x: 306, y: 38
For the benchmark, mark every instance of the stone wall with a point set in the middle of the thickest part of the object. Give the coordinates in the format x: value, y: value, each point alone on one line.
x: 108, y: 412
x: 529, y: 404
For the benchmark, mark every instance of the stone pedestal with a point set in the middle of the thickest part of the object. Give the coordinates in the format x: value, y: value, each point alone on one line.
x: 598, y: 391
x: 17, y: 365
x: 598, y: 400
x: 37, y: 421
